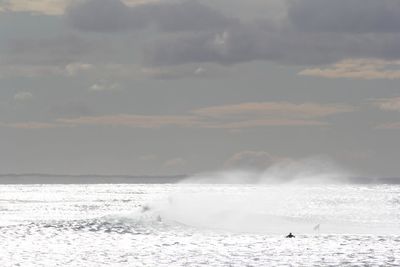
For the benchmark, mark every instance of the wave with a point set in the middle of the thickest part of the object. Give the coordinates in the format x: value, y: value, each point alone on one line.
x: 278, y: 209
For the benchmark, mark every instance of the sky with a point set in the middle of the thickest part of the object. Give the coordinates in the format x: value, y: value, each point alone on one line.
x: 163, y: 87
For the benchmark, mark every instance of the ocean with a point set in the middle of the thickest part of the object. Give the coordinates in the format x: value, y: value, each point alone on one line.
x: 199, y: 225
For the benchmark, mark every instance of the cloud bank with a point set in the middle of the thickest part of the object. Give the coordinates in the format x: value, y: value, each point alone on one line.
x: 240, y: 116
x: 367, y: 69
x: 310, y: 33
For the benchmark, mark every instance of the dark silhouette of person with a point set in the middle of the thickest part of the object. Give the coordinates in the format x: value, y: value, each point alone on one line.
x: 145, y: 208
x: 290, y: 235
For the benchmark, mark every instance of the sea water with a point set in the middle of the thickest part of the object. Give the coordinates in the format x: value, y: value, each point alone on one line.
x: 199, y: 225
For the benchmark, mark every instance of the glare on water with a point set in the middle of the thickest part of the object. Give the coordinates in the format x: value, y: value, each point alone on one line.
x: 194, y: 225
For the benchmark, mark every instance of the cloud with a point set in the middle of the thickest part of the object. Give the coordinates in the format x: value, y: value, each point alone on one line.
x: 99, y: 15
x: 254, y: 123
x: 75, y: 68
x: 284, y: 41
x: 61, y: 69
x: 114, y: 16
x: 240, y: 116
x: 274, y: 110
x: 139, y: 2
x: 196, y: 34
x: 61, y: 55
x: 139, y: 121
x: 46, y: 7
x: 250, y: 115
x: 177, y: 72
x: 391, y: 125
x: 251, y: 160
x: 49, y: 7
x: 367, y: 69
x: 183, y: 121
x: 23, y: 96
x: 387, y: 104
x: 10, y: 70
x: 32, y: 125
x: 352, y: 16
x: 231, y: 117
x: 48, y: 51
x: 103, y: 86
x: 260, y: 41
x: 200, y: 71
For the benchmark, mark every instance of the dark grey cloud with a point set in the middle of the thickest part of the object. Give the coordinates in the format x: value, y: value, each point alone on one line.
x: 114, y: 16
x: 314, y: 32
x: 356, y: 16
x: 254, y: 42
x: 100, y: 16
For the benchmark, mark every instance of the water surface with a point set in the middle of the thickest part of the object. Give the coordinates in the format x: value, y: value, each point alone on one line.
x: 199, y: 225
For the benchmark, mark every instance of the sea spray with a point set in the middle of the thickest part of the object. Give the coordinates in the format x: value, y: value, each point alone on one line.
x: 314, y: 170
x: 292, y: 196
x: 280, y: 209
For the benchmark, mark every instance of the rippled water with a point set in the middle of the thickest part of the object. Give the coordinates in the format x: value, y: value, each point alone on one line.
x: 193, y: 225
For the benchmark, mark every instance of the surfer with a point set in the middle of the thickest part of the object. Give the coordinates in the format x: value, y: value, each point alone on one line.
x: 290, y: 235
x: 145, y: 208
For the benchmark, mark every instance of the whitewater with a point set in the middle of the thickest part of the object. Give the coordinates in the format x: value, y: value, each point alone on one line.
x: 199, y: 225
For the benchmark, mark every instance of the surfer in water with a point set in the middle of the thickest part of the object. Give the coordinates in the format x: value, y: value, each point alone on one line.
x: 290, y: 235
x: 145, y: 208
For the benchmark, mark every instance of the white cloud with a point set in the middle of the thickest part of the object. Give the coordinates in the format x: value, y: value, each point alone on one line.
x: 75, y: 68
x: 102, y: 86
x: 388, y: 104
x: 200, y: 71
x: 23, y: 96
x: 391, y: 125
x: 50, y: 7
x: 177, y: 72
x: 367, y: 69
x: 47, y: 7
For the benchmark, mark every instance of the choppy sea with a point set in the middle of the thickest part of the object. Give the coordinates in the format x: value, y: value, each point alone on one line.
x: 199, y: 225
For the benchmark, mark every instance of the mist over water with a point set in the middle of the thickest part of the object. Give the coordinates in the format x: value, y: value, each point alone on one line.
x: 199, y: 224
x: 307, y: 197
x: 306, y: 171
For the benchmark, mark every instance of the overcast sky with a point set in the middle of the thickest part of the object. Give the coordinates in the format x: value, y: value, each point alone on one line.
x: 171, y: 86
